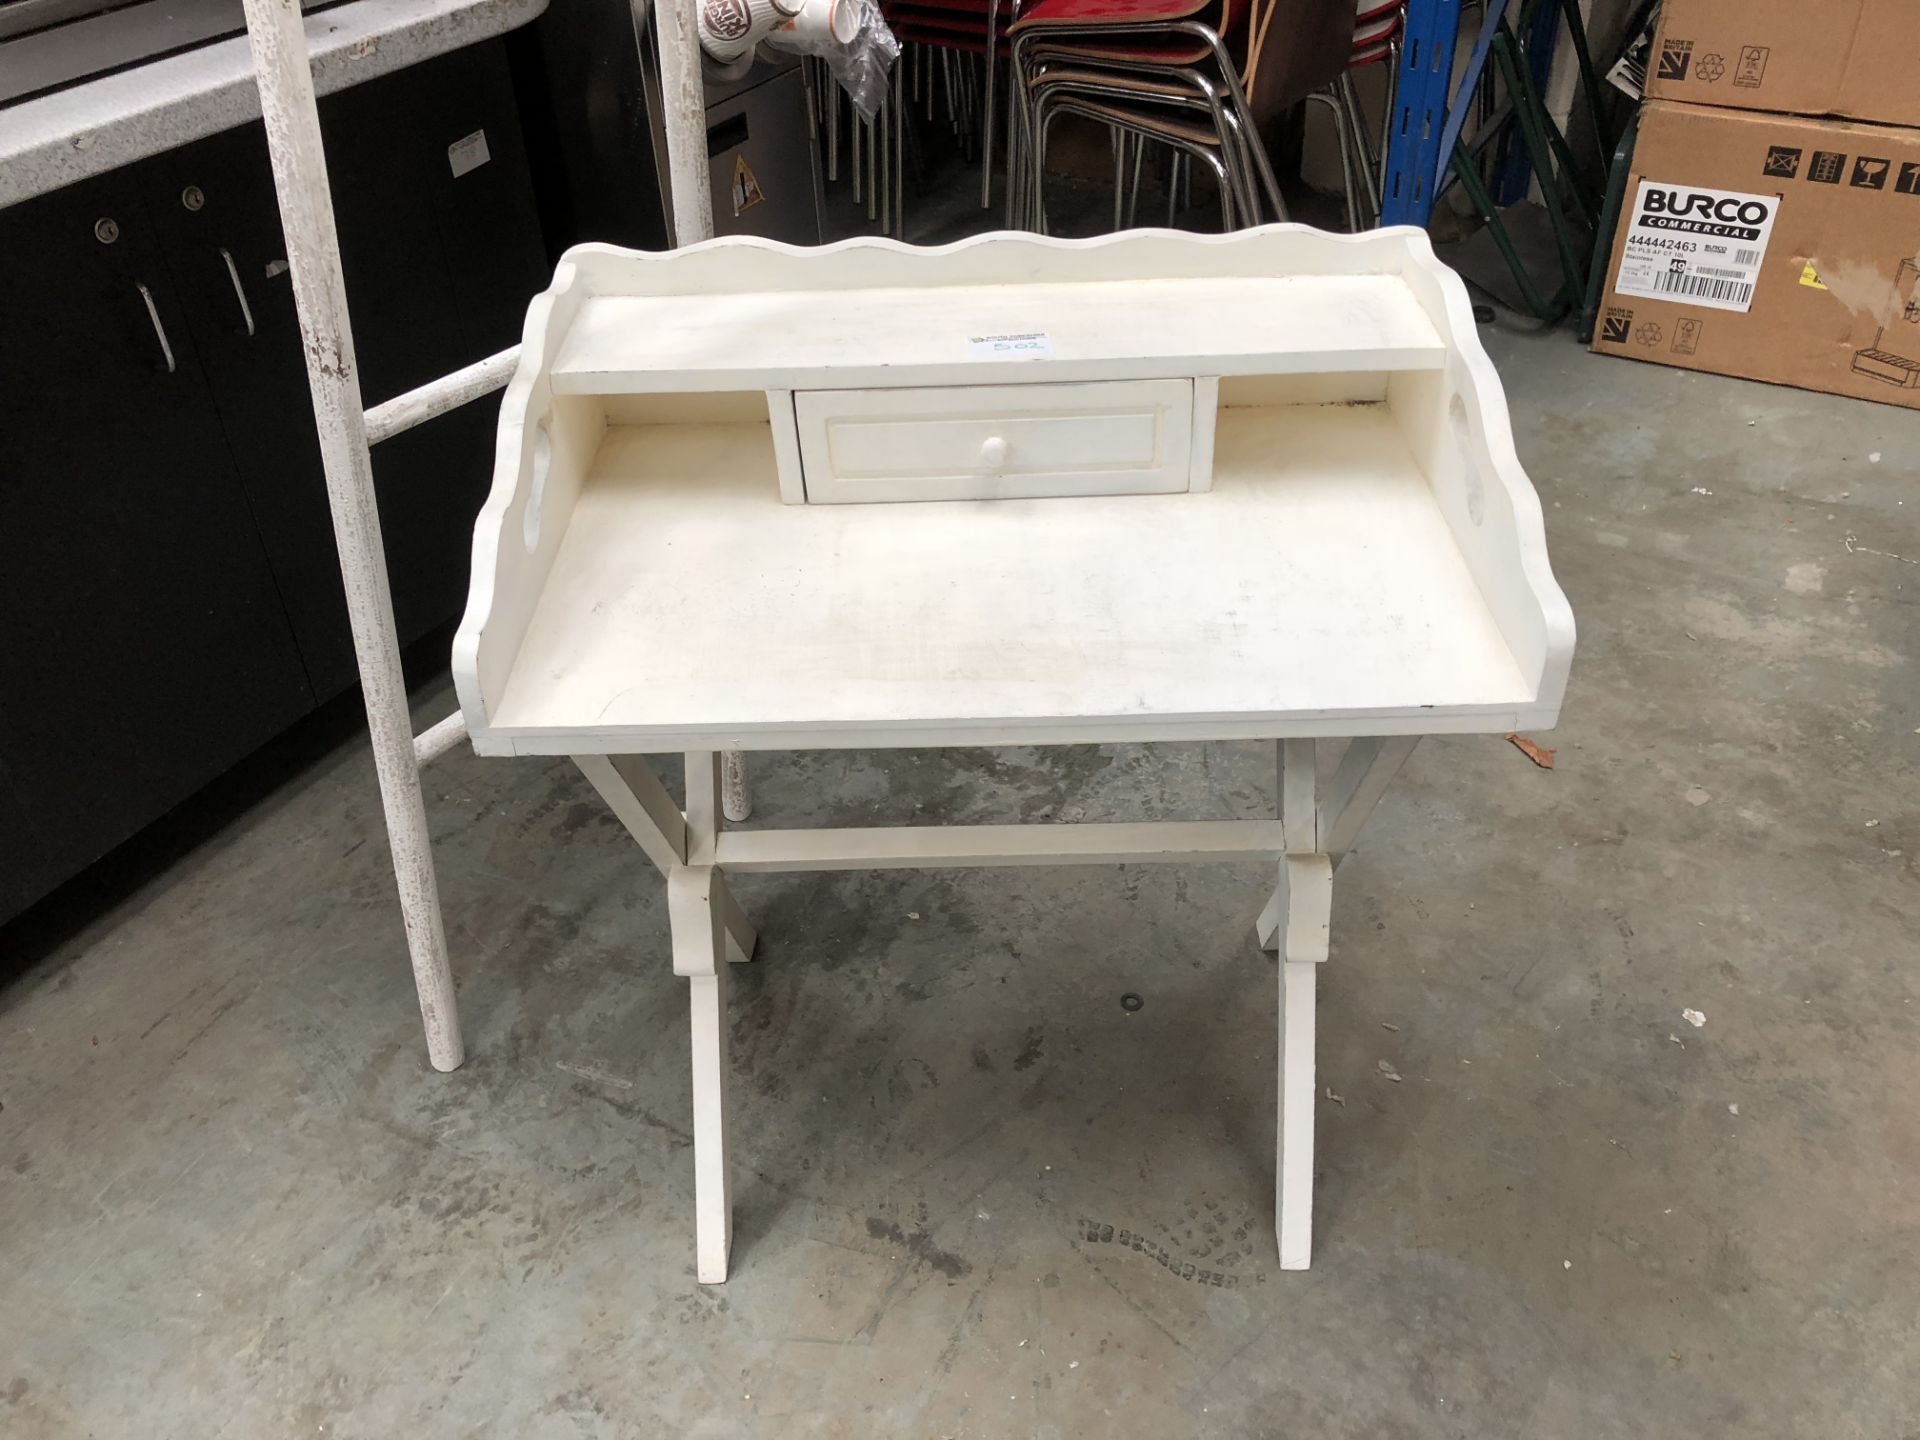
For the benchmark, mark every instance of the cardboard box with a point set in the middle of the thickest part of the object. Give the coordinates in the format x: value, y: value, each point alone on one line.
x: 1850, y: 58
x: 1773, y: 247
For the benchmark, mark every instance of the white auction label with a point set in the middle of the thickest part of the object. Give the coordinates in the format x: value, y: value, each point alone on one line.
x: 1032, y: 342
x: 1699, y: 247
x: 468, y: 153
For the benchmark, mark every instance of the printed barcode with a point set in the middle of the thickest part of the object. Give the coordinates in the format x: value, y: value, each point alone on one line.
x: 1716, y: 270
x: 1746, y: 257
x: 1704, y: 286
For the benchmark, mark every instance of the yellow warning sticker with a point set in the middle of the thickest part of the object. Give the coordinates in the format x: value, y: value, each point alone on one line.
x: 1810, y: 277
x: 746, y: 186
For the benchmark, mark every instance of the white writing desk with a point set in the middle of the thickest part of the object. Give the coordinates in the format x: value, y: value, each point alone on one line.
x: 1015, y: 491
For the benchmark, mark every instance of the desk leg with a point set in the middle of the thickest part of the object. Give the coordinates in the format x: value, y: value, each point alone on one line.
x: 641, y: 803
x: 1306, y: 905
x: 1297, y: 922
x: 1267, y: 928
x: 741, y: 936
x: 1365, y: 771
x: 712, y: 1195
x: 695, y: 902
x: 708, y: 932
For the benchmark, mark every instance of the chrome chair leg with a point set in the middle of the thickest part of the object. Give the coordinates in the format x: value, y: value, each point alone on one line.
x: 1044, y: 124
x: 987, y: 108
x: 1229, y: 79
x: 1133, y: 199
x: 1323, y: 97
x: 832, y: 92
x: 899, y: 148
x: 1368, y: 177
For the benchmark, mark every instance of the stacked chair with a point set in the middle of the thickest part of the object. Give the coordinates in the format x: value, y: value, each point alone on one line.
x: 942, y: 62
x: 868, y: 145
x: 1152, y: 71
x: 1378, y: 28
x: 1176, y: 74
x: 957, y: 43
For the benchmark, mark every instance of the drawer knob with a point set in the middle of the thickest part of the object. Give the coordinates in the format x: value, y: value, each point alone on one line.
x: 993, y: 454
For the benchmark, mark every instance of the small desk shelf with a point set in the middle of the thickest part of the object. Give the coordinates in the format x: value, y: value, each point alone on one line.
x: 1258, y: 486
x: 895, y: 334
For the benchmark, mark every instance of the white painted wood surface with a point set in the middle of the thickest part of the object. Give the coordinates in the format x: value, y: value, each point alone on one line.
x: 641, y: 804
x: 996, y: 442
x: 1296, y: 779
x: 1356, y: 569
x: 754, y: 314
x: 1305, y: 895
x: 932, y: 847
x: 1366, y: 770
x: 784, y: 430
x: 1315, y: 589
x: 699, y: 955
x: 1239, y: 325
x: 1329, y: 823
x: 1293, y: 1164
x: 1206, y: 409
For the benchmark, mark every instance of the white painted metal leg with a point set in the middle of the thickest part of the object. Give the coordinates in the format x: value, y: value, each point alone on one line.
x: 278, y: 38
x: 1306, y: 903
x: 736, y: 792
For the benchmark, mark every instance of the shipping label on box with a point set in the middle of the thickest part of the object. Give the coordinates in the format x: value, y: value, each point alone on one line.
x: 1698, y: 244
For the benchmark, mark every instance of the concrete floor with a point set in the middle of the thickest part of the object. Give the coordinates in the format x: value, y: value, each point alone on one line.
x: 236, y: 1202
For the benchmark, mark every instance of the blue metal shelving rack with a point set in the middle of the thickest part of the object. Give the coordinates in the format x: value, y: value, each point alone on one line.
x: 1419, y: 116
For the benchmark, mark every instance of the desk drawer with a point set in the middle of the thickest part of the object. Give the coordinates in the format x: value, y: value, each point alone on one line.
x: 995, y: 442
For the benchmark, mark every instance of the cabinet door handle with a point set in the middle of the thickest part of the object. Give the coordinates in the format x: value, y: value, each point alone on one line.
x: 239, y: 291
x: 159, y: 330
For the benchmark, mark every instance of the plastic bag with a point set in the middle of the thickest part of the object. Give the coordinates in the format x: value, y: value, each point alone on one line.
x: 859, y: 61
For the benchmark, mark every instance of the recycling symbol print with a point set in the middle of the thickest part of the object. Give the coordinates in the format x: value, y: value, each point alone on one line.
x: 1647, y: 333
x: 1710, y: 67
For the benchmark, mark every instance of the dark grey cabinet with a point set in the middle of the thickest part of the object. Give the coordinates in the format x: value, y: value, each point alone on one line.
x: 169, y: 598
x: 25, y: 872
x: 439, y: 269
x: 146, y: 644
